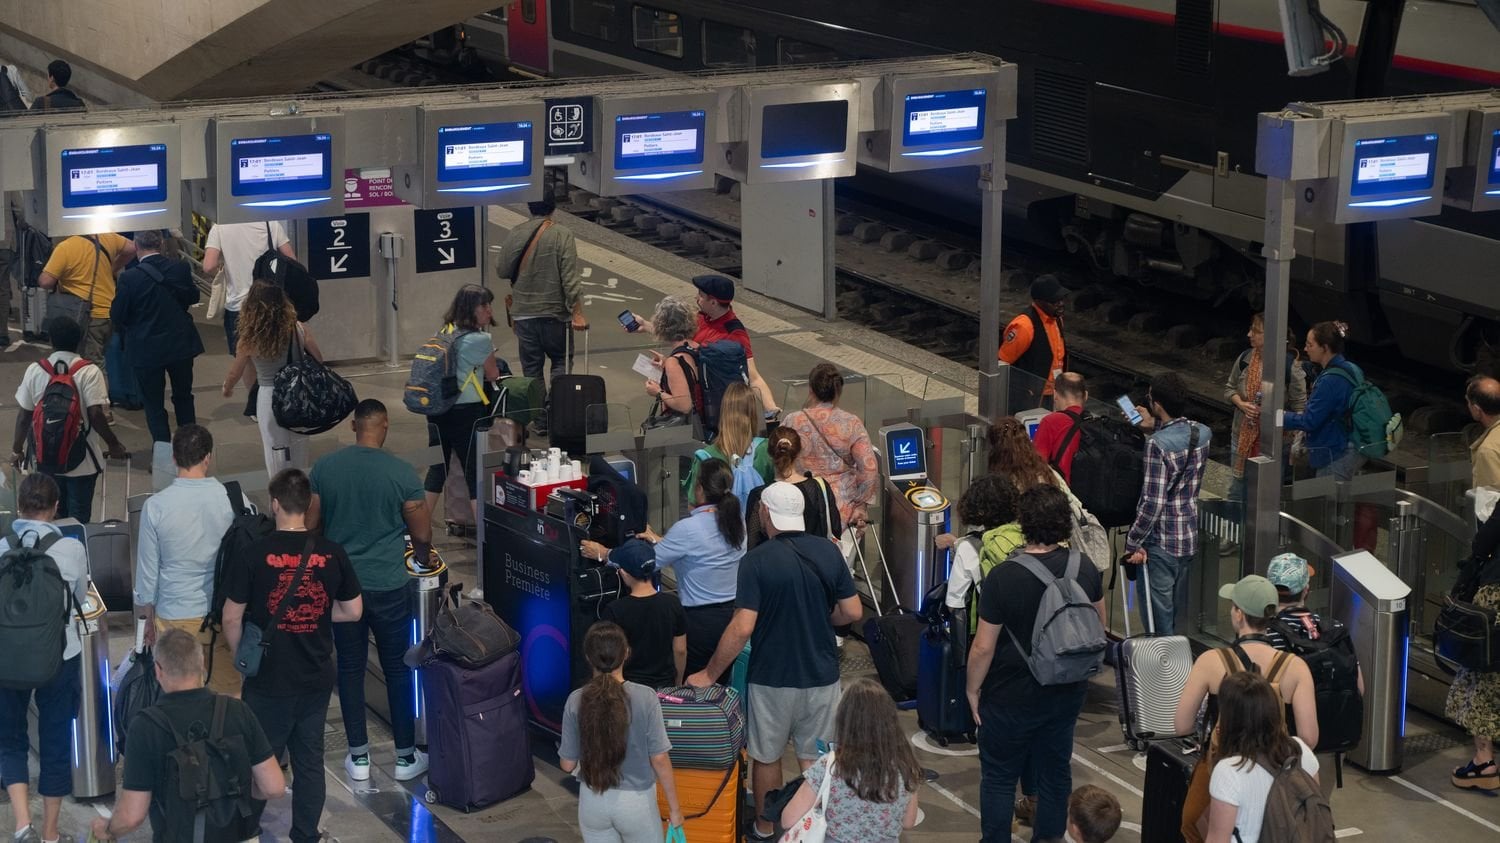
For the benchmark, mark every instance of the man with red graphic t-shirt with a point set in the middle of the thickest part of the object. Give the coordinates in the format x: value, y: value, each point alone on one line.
x: 290, y: 692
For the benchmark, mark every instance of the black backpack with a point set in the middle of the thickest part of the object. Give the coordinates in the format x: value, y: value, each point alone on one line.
x: 209, y: 778
x: 289, y: 274
x: 1109, y: 468
x: 34, y: 606
x: 247, y: 528
x: 1335, y: 670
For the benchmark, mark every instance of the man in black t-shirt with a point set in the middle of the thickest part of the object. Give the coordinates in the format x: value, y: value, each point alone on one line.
x: 654, y: 622
x: 148, y: 783
x: 793, y: 589
x: 290, y: 692
x: 1020, y: 720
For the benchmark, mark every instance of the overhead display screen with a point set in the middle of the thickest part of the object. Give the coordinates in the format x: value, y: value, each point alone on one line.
x: 796, y: 129
x: 1494, y: 179
x: 1393, y: 165
x: 289, y: 164
x: 484, y: 151
x: 944, y: 117
x: 666, y: 139
x: 115, y: 175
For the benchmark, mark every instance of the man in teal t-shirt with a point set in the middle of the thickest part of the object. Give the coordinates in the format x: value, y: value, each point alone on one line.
x: 368, y: 501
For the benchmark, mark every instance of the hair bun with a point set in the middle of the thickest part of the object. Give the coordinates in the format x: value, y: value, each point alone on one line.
x: 1342, y: 328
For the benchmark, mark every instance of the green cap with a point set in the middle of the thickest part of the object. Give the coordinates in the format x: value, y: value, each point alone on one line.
x: 1253, y: 595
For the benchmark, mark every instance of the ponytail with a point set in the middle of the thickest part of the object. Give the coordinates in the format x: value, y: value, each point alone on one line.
x: 785, y: 446
x: 603, y: 709
x: 716, y: 481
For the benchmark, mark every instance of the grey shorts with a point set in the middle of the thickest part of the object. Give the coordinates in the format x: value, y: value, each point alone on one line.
x: 799, y: 715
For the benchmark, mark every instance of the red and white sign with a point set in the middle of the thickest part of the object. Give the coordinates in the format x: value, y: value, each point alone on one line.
x: 369, y: 189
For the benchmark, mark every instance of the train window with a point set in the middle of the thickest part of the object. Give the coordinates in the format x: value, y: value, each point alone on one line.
x: 798, y: 52
x: 658, y: 30
x: 594, y: 18
x: 528, y: 11
x: 727, y: 46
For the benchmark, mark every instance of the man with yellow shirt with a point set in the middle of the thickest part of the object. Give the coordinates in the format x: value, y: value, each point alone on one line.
x: 84, y: 267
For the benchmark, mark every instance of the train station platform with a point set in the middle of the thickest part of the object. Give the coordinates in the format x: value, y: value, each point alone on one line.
x: 623, y: 273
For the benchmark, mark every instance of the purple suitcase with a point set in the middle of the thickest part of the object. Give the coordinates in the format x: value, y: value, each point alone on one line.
x: 478, y: 747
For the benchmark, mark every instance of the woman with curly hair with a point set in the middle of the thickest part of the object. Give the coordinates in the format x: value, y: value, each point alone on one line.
x: 269, y: 337
x: 873, y: 795
x: 1012, y: 454
x: 988, y: 506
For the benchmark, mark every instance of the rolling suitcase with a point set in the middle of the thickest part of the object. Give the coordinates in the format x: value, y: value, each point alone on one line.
x: 1169, y: 769
x: 942, y: 702
x: 108, y: 542
x: 710, y: 802
x: 1150, y: 672
x: 705, y: 725
x: 34, y: 312
x: 479, y: 751
x: 895, y: 643
x: 577, y: 407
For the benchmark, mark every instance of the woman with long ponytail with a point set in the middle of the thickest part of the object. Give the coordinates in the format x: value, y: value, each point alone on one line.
x: 614, y: 737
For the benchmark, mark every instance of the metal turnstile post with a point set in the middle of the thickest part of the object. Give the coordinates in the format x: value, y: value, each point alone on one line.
x: 1374, y: 603
x: 429, y: 599
x: 93, y: 736
x: 914, y: 516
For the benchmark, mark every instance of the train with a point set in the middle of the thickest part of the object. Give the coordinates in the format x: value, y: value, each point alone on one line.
x: 1135, y: 141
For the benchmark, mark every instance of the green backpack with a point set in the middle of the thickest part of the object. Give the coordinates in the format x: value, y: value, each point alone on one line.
x: 1373, y: 429
x: 995, y: 546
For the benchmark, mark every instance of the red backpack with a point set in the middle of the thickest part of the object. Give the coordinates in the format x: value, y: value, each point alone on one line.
x: 59, y: 441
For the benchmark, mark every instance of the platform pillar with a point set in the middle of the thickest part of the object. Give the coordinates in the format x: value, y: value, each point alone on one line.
x: 1264, y: 490
x: 787, y: 246
x: 993, y: 383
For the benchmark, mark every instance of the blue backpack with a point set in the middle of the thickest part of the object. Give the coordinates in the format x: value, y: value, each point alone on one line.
x: 746, y: 476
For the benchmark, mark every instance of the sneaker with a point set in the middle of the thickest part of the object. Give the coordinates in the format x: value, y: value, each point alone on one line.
x: 755, y: 834
x: 4, y: 340
x: 64, y: 837
x: 1474, y: 776
x: 358, y: 767
x: 838, y: 640
x: 1025, y: 811
x: 408, y: 769
x: 1229, y: 549
x: 30, y: 835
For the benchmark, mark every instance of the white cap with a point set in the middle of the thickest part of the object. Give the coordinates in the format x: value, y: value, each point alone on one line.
x: 785, y: 506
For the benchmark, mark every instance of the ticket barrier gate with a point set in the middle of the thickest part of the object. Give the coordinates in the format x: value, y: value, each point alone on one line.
x: 93, y: 754
x: 427, y: 592
x: 1375, y: 604
x: 915, y: 513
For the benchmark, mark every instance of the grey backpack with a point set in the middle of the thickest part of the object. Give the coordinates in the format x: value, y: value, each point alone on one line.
x: 1067, y: 640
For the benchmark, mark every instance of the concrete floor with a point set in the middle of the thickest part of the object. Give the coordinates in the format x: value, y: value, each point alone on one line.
x: 1417, y: 804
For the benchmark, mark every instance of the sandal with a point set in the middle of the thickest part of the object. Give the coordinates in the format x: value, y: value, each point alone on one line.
x: 1473, y: 776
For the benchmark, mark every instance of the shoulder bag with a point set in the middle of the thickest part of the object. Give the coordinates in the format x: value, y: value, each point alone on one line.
x: 74, y: 307
x: 308, y: 397
x: 253, y: 640
x: 812, y: 827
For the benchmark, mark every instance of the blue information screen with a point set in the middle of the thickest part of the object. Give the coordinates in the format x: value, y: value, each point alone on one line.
x: 1393, y: 165
x: 114, y: 175
x: 1494, y: 179
x: 944, y: 117
x: 904, y: 449
x: 484, y: 151
x: 664, y: 139
x: 289, y: 164
x: 804, y: 128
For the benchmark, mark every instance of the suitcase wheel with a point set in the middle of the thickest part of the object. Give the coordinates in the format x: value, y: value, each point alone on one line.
x: 1137, y: 744
x: 942, y: 740
x: 430, y: 797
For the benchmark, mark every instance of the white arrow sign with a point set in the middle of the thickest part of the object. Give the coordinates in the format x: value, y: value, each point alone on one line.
x: 336, y: 263
x: 904, y: 449
x: 446, y: 255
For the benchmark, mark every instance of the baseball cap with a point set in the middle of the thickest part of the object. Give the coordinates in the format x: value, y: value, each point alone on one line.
x: 1252, y: 595
x: 1048, y: 288
x: 1289, y: 571
x: 719, y: 287
x: 785, y: 504
x: 635, y: 557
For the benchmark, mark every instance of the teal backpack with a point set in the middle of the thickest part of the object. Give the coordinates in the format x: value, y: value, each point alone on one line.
x: 1373, y: 429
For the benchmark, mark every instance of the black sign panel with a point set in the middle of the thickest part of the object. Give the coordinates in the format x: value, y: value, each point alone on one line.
x: 339, y: 247
x: 570, y: 125
x: 445, y: 239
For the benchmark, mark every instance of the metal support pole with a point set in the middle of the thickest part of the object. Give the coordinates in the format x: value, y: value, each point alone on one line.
x: 993, y: 386
x: 390, y: 249
x: 1406, y: 554
x: 830, y: 284
x: 1281, y: 210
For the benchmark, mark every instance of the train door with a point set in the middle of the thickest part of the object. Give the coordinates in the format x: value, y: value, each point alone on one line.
x: 526, y: 34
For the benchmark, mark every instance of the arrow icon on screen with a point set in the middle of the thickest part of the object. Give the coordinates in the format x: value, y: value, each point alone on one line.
x: 336, y: 263
x: 446, y: 256
x: 903, y: 449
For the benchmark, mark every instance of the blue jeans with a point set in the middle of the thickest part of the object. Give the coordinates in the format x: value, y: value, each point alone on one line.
x: 56, y: 706
x: 1033, y: 734
x: 295, y: 724
x: 75, y: 495
x: 1167, y: 575
x: 387, y: 614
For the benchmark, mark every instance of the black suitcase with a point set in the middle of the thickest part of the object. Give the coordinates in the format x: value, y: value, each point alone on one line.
x: 479, y: 751
x: 895, y: 643
x: 577, y: 407
x: 942, y: 701
x: 1169, y: 770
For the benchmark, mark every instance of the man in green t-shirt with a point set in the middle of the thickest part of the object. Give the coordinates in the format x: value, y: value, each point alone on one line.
x: 368, y: 501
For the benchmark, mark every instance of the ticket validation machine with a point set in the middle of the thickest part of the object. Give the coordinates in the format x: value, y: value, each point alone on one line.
x: 915, y: 514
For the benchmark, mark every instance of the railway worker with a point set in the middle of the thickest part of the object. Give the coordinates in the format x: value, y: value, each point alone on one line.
x: 1483, y: 397
x: 1033, y: 343
x: 1052, y: 440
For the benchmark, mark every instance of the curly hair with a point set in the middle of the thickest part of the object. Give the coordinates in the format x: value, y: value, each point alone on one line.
x: 989, y: 502
x: 874, y: 757
x: 1012, y: 453
x: 1045, y: 516
x: 267, y: 320
x: 603, y: 709
x: 675, y: 319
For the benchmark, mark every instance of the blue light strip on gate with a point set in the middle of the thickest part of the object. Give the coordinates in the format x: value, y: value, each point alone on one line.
x: 1389, y: 203
x: 658, y: 176
x: 481, y: 188
x: 1492, y: 193
x: 116, y: 215
x: 798, y: 165
x: 416, y: 682
x: 284, y: 203
x: 941, y: 153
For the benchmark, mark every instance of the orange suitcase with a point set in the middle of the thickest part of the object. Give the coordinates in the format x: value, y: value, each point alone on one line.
x: 710, y: 801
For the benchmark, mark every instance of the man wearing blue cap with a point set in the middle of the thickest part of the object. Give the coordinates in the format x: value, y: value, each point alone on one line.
x: 654, y: 621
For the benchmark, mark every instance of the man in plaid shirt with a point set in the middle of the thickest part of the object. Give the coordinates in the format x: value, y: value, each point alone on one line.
x: 1165, y: 532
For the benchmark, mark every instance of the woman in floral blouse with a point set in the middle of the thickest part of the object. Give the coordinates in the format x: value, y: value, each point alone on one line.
x: 835, y: 445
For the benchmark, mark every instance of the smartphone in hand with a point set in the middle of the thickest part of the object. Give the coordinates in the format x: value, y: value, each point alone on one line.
x: 1127, y: 406
x: 628, y: 320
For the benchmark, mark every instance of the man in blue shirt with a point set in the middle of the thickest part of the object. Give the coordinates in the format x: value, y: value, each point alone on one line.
x: 175, y: 555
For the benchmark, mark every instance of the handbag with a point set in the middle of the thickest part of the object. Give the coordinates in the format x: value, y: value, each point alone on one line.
x: 73, y: 307
x: 253, y: 640
x: 217, y: 293
x: 1465, y: 637
x: 1090, y: 537
x: 471, y: 634
x: 813, y: 825
x: 308, y: 397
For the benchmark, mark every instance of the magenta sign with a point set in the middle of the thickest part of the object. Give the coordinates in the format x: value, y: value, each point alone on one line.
x: 372, y: 192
